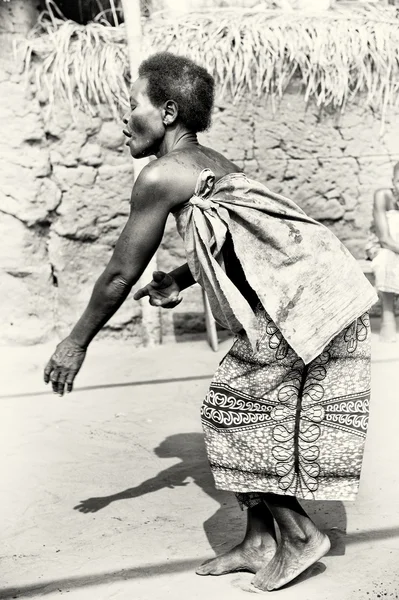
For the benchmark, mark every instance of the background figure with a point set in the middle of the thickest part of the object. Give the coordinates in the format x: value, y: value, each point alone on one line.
x: 383, y: 250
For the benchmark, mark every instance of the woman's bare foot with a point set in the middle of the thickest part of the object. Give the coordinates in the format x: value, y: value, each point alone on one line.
x: 300, y: 544
x: 240, y: 558
x: 257, y: 548
x: 293, y: 556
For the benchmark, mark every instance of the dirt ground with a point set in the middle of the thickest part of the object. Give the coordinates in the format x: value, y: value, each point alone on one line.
x: 106, y: 494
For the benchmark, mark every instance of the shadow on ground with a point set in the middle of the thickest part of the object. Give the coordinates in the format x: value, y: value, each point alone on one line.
x: 154, y: 570
x: 227, y: 525
x: 223, y: 529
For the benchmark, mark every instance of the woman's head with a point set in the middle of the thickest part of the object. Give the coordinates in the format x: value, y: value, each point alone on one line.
x: 177, y: 78
x: 171, y: 90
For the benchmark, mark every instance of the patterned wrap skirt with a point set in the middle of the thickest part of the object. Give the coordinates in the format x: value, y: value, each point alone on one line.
x: 274, y: 424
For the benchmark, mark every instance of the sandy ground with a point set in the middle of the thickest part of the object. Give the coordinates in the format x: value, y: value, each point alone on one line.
x: 127, y: 447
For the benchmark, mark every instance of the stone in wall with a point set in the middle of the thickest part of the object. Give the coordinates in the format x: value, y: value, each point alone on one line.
x: 91, y: 155
x: 26, y: 282
x: 231, y: 132
x: 111, y: 135
x: 76, y: 266
x: 25, y: 191
x: 95, y: 203
x: 27, y: 198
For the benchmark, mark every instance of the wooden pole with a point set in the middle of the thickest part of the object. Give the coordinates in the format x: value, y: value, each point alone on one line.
x: 132, y: 16
x: 151, y: 315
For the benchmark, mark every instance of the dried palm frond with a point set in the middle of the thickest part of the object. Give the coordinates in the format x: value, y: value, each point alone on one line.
x: 82, y: 64
x: 337, y: 56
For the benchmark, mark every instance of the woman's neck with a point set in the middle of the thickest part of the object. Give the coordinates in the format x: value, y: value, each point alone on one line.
x: 177, y: 139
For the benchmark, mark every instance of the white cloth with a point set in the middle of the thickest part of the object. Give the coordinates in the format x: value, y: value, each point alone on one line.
x: 307, y: 281
x: 386, y: 264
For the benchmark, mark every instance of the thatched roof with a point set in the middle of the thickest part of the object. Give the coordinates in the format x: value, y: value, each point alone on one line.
x: 337, y: 56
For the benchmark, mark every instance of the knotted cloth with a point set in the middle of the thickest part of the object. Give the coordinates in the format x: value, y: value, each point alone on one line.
x: 305, y: 278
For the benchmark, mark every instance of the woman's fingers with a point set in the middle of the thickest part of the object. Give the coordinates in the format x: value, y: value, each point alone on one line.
x: 69, y: 381
x: 141, y: 293
x: 171, y: 303
x: 149, y: 290
x: 60, y: 389
x: 155, y: 301
x: 165, y: 302
x: 157, y: 276
x: 64, y: 365
x: 54, y: 380
x: 62, y: 381
x: 161, y: 280
x: 156, y: 289
x: 47, y: 371
x: 160, y: 290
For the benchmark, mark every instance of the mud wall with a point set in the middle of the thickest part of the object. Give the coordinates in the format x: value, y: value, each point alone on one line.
x: 65, y: 185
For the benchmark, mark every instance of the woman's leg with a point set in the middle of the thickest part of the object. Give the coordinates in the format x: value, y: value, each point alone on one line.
x: 300, y: 545
x: 256, y: 549
x: 388, y: 324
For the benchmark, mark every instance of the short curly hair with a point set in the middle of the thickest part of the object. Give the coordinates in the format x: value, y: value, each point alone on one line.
x: 172, y: 77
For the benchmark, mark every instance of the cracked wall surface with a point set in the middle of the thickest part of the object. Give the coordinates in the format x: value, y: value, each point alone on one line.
x: 65, y: 186
x: 64, y: 196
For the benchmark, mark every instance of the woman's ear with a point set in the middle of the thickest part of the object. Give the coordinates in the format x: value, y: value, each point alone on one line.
x: 170, y: 112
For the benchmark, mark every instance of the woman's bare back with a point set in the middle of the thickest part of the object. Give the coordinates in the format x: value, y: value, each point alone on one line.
x: 179, y: 170
x: 186, y: 165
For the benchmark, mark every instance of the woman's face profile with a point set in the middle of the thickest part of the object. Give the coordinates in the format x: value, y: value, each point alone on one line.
x: 144, y: 125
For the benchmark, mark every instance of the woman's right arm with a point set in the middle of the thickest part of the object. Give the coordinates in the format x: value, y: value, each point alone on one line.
x: 381, y: 222
x: 182, y: 276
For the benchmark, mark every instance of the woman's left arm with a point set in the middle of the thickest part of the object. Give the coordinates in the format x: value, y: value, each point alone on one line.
x: 136, y: 245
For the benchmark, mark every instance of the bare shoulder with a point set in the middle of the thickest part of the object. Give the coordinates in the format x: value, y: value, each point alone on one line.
x: 169, y: 181
x: 382, y: 199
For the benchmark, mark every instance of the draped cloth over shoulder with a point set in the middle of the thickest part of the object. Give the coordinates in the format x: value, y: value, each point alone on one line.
x: 304, y: 277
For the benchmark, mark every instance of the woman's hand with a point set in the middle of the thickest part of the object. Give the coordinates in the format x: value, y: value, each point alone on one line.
x: 64, y: 365
x: 162, y: 290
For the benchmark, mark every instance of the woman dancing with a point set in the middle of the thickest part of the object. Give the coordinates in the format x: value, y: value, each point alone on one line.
x: 285, y: 417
